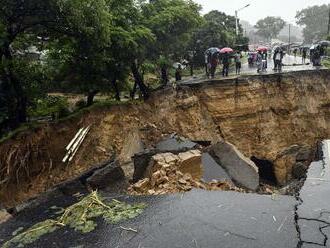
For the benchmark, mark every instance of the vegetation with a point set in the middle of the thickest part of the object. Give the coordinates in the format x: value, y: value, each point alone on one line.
x: 269, y: 27
x: 97, y: 46
x: 80, y: 217
x: 315, y: 22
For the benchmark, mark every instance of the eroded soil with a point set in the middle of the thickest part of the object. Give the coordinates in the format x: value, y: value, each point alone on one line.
x: 263, y: 116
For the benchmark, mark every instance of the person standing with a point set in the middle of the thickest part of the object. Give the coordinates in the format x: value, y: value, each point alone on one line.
x: 278, y: 60
x: 225, y: 63
x: 238, y: 63
x: 259, y: 61
x: 304, y: 55
x: 264, y: 61
x: 207, y: 64
x: 178, y: 72
x: 214, y: 64
x: 295, y: 52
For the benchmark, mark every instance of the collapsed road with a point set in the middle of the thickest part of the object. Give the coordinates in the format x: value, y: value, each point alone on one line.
x: 199, y: 191
x: 202, y: 218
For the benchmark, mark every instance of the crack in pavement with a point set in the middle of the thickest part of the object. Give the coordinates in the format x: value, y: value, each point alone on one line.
x: 296, y: 218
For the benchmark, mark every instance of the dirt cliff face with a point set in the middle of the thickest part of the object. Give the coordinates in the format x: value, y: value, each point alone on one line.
x: 261, y: 115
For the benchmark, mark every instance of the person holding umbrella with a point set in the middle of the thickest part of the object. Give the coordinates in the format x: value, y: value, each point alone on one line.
x: 238, y: 62
x: 214, y: 64
x: 225, y: 60
x: 259, y: 61
x: 304, y: 55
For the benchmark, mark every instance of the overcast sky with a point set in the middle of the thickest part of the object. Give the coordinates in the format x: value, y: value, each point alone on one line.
x: 260, y: 8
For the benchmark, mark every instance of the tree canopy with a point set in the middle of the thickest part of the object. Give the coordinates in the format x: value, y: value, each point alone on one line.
x: 269, y: 27
x: 91, y: 46
x: 315, y: 22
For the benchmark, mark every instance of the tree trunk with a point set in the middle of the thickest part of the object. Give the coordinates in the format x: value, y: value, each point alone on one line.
x: 115, y: 86
x: 164, y: 75
x: 90, y: 97
x: 139, y: 82
x: 20, y: 112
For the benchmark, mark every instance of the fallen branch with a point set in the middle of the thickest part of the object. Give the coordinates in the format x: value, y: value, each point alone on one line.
x: 128, y: 229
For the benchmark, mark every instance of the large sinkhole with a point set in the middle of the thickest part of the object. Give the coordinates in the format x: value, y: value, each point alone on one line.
x: 255, y: 134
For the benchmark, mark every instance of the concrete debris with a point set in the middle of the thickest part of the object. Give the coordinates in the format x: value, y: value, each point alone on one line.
x: 142, y: 160
x: 241, y: 169
x: 106, y: 176
x: 212, y: 170
x: 141, y: 163
x: 175, y: 143
x: 170, y: 173
x: 132, y: 145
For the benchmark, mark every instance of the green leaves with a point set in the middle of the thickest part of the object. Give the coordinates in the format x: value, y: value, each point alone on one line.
x: 80, y: 217
x: 270, y: 27
x: 313, y: 19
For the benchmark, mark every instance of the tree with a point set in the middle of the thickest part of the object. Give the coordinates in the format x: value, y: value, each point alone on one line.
x: 171, y: 22
x: 315, y: 22
x: 25, y: 20
x: 217, y: 30
x: 269, y: 27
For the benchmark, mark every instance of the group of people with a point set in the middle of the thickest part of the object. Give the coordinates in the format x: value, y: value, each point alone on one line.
x: 213, y: 60
x: 261, y: 61
x: 315, y: 54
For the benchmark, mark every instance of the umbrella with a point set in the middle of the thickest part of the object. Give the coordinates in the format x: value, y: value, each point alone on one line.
x: 324, y: 43
x: 262, y: 48
x: 226, y: 50
x: 313, y: 47
x: 213, y: 50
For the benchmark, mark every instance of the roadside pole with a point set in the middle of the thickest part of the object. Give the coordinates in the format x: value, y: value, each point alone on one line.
x: 290, y: 39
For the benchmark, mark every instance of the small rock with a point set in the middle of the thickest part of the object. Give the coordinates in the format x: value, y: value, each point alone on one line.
x: 142, y: 184
x: 4, y: 216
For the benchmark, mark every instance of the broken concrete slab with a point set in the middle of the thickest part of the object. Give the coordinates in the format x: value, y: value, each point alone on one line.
x: 132, y: 145
x: 212, y: 170
x: 175, y: 143
x: 241, y: 169
x: 104, y: 177
x: 190, y: 162
x: 141, y: 163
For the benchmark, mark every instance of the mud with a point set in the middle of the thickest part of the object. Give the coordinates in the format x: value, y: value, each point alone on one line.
x: 261, y: 115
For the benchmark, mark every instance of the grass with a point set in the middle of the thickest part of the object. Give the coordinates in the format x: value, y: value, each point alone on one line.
x: 326, y: 63
x: 20, y: 129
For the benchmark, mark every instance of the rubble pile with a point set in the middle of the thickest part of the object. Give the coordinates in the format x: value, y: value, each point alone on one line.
x: 170, y: 173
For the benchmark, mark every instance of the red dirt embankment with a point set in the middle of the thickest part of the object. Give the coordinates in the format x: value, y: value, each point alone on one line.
x: 261, y: 116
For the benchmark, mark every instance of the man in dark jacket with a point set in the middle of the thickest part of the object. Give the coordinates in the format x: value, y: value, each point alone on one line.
x: 225, y: 63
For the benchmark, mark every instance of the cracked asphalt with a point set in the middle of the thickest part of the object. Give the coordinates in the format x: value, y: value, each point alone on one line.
x: 313, y: 210
x: 200, y: 219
